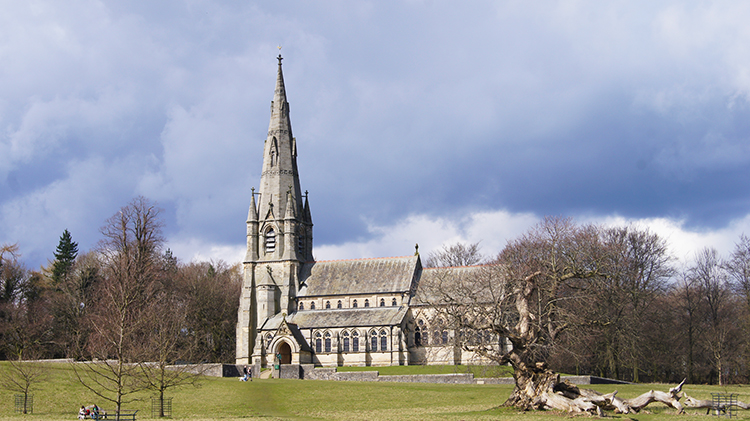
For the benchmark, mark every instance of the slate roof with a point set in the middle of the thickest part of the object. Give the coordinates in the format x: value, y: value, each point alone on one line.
x: 431, y: 276
x: 334, y: 318
x: 359, y: 276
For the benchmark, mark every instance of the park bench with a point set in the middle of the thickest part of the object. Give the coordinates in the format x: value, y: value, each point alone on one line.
x: 125, y: 414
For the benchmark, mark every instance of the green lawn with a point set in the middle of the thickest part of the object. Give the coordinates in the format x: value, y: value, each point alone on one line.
x: 228, y: 399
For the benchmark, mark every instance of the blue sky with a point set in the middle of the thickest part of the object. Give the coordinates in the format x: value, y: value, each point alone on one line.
x: 417, y: 122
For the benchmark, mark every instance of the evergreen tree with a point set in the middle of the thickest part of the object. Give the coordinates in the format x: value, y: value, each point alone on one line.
x: 65, y: 256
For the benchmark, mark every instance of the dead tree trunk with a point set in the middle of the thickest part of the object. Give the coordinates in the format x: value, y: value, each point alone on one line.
x: 541, y: 388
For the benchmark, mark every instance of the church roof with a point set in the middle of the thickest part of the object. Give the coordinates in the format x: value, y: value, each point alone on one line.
x: 334, y: 318
x: 360, y: 276
x: 428, y: 292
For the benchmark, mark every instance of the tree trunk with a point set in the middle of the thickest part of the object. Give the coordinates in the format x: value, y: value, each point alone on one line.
x: 531, y: 384
x: 540, y: 388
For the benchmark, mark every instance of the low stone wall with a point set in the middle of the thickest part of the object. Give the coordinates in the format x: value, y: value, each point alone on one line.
x: 495, y: 380
x: 572, y: 379
x: 309, y: 372
x: 211, y: 370
x: 453, y: 378
x: 290, y: 371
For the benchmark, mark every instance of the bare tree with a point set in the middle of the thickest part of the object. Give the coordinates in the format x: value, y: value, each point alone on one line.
x: 738, y: 268
x: 638, y: 267
x: 531, y: 295
x: 22, y: 377
x: 712, y: 280
x: 211, y: 294
x: 527, y: 296
x: 455, y: 255
x: 130, y: 256
x: 167, y: 348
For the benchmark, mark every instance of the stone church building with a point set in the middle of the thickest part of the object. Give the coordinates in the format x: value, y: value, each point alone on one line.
x: 295, y: 310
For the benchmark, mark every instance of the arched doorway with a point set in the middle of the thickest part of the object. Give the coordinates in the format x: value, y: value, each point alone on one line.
x: 286, y: 353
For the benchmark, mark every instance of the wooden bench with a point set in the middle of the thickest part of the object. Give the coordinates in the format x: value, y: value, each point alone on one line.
x: 125, y: 414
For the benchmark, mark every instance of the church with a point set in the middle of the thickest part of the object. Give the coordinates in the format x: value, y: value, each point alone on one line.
x: 295, y: 310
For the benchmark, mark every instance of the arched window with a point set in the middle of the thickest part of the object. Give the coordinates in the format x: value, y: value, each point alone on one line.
x: 367, y: 303
x: 338, y: 305
x: 301, y: 306
x: 312, y: 305
x: 328, y: 304
x: 445, y: 337
x: 355, y: 341
x: 270, y: 240
x: 373, y: 341
x: 383, y: 340
x: 354, y: 304
x: 318, y: 342
x: 346, y: 341
x: 382, y: 302
x: 393, y: 302
x: 418, y: 339
x: 268, y: 340
x: 328, y: 341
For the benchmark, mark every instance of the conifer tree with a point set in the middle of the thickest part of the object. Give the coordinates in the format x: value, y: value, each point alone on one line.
x: 65, y: 256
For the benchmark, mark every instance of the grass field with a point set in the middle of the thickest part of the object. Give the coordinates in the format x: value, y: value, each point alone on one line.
x: 228, y: 399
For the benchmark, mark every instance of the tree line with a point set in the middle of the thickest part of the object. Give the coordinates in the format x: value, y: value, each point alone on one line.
x: 128, y: 298
x: 599, y: 300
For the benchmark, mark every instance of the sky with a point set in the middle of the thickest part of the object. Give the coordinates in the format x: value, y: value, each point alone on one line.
x: 429, y: 122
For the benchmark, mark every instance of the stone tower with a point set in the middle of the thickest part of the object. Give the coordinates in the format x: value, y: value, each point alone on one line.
x: 279, y: 233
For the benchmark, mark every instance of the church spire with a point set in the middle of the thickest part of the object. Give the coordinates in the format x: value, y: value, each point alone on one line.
x: 279, y: 158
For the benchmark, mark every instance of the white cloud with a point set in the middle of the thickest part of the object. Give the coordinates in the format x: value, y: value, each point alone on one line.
x: 197, y: 250
x: 492, y: 229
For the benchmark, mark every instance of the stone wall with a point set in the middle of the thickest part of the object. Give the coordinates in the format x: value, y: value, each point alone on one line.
x: 572, y: 379
x: 453, y: 378
x: 309, y: 372
x: 290, y: 371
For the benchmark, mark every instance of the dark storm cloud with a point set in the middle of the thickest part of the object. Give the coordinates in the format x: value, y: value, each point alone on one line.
x: 408, y: 116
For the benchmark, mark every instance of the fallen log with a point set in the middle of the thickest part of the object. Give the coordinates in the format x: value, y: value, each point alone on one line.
x: 570, y: 398
x: 671, y: 398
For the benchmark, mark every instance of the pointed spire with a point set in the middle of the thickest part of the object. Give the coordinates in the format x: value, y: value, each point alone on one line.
x: 289, y: 205
x: 279, y: 95
x: 252, y: 213
x: 306, y: 211
x: 280, y: 201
